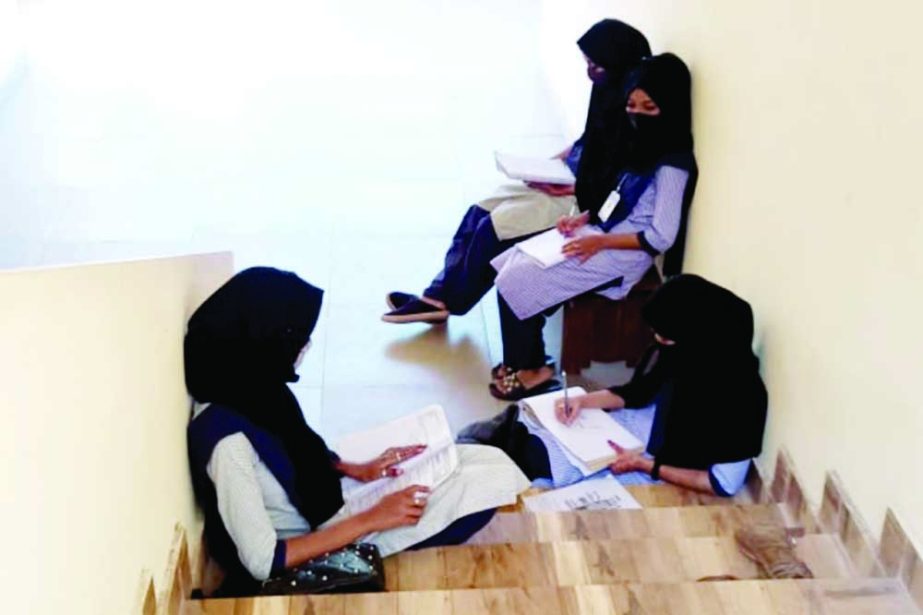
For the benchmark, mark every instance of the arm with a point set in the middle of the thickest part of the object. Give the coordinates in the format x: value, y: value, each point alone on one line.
x: 697, y: 480
x: 670, y: 189
x: 403, y: 507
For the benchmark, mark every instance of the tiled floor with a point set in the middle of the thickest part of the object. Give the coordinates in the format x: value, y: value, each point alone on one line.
x: 340, y: 140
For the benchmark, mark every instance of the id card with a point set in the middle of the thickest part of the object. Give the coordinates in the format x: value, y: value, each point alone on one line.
x: 609, y: 206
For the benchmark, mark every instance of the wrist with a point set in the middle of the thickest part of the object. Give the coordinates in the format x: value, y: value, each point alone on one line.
x: 643, y: 464
x: 365, y: 522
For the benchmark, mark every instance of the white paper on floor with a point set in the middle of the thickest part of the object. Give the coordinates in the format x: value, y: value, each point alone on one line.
x: 604, y: 493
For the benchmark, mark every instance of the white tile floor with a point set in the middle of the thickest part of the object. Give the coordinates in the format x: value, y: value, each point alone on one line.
x: 341, y: 140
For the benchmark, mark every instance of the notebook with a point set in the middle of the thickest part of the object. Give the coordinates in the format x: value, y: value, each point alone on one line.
x: 586, y: 438
x: 430, y: 468
x: 545, y: 170
x: 546, y: 248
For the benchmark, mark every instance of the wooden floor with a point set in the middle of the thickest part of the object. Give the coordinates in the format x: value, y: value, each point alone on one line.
x: 658, y: 560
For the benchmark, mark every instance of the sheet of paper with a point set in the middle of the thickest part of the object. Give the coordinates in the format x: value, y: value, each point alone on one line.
x: 440, y: 459
x: 586, y: 437
x: 604, y: 493
x: 547, y: 170
x: 546, y: 248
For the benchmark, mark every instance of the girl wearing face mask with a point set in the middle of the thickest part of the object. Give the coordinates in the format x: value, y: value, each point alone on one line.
x: 696, y: 399
x: 611, y: 49
x: 612, y: 248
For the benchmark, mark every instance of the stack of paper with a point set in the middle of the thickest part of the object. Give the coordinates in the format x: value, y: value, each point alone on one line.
x: 430, y: 468
x: 587, y: 437
x: 548, y: 248
x: 544, y: 170
x: 604, y: 493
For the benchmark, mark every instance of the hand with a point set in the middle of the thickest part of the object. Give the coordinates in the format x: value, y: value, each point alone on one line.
x: 574, y: 406
x: 552, y: 189
x: 404, y: 507
x: 628, y: 460
x: 385, y: 465
x: 584, y: 248
x: 568, y: 224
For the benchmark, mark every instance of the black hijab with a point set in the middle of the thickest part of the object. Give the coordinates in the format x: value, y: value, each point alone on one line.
x: 711, y: 401
x: 667, y: 137
x: 617, y: 47
x: 240, y: 350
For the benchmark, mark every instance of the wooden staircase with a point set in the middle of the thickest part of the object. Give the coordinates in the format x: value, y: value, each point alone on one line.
x: 649, y: 561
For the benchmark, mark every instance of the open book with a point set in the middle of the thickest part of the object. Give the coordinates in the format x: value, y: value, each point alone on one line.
x: 586, y: 438
x: 545, y: 170
x: 430, y: 468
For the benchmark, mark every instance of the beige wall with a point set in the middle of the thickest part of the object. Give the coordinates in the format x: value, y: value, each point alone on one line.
x: 94, y: 406
x: 809, y: 125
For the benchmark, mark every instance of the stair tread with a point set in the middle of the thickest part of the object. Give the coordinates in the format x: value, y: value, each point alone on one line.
x: 653, y: 496
x: 828, y: 596
x: 690, y: 521
x: 566, y: 563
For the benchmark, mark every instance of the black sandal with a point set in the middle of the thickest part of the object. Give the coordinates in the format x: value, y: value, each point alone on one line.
x: 513, y: 389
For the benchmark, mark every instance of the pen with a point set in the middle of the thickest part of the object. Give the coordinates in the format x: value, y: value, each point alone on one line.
x: 566, y: 405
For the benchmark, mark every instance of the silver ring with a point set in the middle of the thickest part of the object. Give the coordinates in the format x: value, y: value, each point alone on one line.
x: 398, y: 456
x: 384, y: 472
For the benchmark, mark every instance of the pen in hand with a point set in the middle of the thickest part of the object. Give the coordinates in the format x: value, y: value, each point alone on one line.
x: 566, y: 405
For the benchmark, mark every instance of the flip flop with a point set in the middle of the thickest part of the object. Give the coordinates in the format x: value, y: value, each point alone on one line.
x: 514, y: 389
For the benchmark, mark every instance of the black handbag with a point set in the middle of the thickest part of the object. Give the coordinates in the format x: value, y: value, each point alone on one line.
x: 352, y: 569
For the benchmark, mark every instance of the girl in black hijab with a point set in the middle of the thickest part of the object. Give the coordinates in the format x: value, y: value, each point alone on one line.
x: 703, y: 380
x: 643, y: 216
x: 696, y: 398
x: 611, y: 48
x: 269, y: 486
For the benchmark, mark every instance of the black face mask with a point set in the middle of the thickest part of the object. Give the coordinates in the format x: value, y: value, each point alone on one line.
x: 644, y: 124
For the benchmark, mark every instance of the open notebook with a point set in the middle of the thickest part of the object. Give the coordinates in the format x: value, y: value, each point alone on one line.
x: 430, y: 468
x: 585, y: 439
x: 545, y: 170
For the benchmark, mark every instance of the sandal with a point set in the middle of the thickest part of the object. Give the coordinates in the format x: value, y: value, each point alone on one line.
x: 500, y: 371
x: 511, y: 388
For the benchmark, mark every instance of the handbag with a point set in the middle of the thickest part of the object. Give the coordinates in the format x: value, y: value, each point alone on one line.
x: 352, y: 569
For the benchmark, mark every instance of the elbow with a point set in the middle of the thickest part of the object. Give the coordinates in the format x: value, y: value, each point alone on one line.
x: 714, y: 487
x: 648, y: 246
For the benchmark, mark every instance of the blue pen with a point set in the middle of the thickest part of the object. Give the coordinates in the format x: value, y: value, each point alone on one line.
x: 566, y: 405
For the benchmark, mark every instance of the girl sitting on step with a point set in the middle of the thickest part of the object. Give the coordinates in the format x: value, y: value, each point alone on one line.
x: 696, y: 399
x: 269, y: 485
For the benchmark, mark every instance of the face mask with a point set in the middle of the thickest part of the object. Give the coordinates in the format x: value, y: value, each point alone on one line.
x: 649, y: 128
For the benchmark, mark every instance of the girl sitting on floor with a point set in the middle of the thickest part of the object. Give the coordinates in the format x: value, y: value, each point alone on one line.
x: 696, y: 399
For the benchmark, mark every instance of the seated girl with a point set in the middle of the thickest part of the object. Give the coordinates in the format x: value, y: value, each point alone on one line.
x: 644, y: 216
x: 611, y: 48
x: 269, y: 486
x: 696, y: 398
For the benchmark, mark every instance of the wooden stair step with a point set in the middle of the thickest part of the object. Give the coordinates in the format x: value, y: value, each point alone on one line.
x: 666, y: 522
x: 569, y: 563
x: 826, y: 596
x: 654, y: 496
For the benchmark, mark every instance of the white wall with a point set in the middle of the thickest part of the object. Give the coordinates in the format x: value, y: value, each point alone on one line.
x: 808, y: 125
x: 94, y: 471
